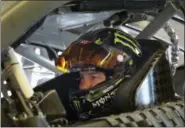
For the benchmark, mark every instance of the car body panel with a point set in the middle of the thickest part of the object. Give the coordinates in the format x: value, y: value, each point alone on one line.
x: 18, y: 17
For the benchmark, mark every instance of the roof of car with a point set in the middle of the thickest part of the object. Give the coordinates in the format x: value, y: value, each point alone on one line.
x: 17, y: 17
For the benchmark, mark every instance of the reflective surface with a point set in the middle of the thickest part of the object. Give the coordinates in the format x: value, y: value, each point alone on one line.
x: 146, y: 93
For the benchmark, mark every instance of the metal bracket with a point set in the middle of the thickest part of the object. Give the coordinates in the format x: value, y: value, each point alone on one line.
x: 24, y: 50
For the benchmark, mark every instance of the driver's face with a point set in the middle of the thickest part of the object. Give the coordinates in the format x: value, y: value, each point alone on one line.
x: 91, y: 79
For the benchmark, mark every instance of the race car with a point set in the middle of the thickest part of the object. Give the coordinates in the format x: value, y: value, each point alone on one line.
x: 36, y: 33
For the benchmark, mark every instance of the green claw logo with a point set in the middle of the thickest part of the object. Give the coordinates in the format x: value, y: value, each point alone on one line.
x: 77, y: 105
x: 128, y: 42
x: 98, y: 41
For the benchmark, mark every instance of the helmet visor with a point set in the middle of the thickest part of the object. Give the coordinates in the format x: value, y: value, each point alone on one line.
x: 87, y: 55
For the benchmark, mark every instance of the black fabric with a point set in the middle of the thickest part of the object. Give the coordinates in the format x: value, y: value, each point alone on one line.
x: 62, y: 85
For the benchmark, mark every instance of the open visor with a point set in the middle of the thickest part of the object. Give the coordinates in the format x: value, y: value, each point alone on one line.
x: 87, y: 55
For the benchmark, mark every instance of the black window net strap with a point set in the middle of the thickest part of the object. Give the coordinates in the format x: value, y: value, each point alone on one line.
x: 169, y: 114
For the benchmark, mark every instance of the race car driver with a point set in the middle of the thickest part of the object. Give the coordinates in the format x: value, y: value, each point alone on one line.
x: 103, y: 59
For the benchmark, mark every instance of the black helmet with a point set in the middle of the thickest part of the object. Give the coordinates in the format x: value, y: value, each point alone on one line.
x: 108, y: 50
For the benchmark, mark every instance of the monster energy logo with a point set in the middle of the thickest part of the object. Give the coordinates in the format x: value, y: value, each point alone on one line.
x: 77, y: 105
x: 128, y: 42
x: 103, y: 100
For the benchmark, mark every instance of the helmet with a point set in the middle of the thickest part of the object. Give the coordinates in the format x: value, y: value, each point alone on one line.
x: 109, y: 50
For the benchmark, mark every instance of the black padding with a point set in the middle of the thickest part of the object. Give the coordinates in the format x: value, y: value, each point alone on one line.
x: 152, y: 51
x: 62, y: 84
